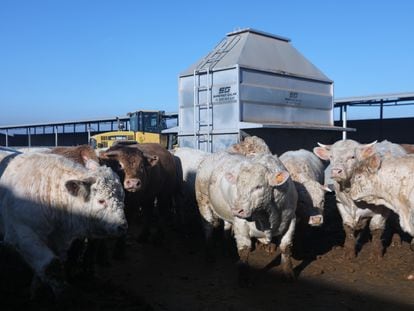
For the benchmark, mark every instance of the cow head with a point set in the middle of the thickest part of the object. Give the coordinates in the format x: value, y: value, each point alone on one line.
x: 344, y: 156
x: 363, y: 179
x: 311, y: 201
x: 250, y: 146
x: 254, y: 188
x: 101, y: 200
x: 131, y: 164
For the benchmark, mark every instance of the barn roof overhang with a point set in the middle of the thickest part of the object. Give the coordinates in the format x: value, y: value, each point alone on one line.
x: 391, y: 99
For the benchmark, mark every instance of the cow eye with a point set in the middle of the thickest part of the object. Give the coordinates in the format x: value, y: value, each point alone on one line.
x: 258, y: 188
x: 101, y: 201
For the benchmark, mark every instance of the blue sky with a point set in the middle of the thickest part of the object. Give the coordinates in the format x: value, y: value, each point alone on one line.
x: 79, y: 59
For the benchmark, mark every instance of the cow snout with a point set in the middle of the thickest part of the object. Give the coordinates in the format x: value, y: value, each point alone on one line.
x: 337, y: 173
x: 132, y: 184
x: 316, y: 220
x: 240, y: 212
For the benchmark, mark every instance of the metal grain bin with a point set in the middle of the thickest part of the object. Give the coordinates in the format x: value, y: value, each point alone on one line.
x: 252, y: 83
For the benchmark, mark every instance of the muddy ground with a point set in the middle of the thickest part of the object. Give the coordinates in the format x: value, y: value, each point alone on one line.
x: 174, y: 275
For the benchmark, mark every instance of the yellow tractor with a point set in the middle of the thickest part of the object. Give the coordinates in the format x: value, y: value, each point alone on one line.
x: 145, y: 127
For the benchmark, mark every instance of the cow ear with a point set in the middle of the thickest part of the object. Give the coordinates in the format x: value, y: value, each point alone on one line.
x: 374, y: 163
x: 86, y: 157
x: 151, y: 159
x: 367, y: 152
x: 80, y: 188
x: 278, y: 179
x: 231, y: 178
x: 322, y: 152
x: 109, y: 155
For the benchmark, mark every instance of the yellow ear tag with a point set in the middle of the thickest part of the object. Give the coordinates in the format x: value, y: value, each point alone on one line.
x: 279, y: 178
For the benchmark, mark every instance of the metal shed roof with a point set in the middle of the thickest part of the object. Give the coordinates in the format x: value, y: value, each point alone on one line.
x: 397, y: 99
x: 250, y: 48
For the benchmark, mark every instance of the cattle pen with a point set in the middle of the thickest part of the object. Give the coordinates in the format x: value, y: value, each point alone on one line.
x: 233, y: 92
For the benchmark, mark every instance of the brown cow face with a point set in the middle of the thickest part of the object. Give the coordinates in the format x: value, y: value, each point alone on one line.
x: 132, y: 165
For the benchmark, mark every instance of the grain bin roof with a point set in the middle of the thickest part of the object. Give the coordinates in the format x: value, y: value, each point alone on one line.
x: 258, y: 50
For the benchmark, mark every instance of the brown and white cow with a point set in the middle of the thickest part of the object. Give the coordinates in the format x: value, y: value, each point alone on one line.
x: 82, y: 154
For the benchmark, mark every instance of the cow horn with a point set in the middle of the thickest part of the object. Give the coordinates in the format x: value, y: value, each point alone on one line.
x: 324, y: 146
x: 370, y: 144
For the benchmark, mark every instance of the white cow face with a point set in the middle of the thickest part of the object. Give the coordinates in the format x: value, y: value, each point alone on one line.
x: 344, y: 156
x: 363, y: 179
x: 103, y: 198
x: 254, y: 188
x: 311, y: 201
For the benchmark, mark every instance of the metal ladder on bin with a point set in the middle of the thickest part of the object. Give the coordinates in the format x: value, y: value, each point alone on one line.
x: 203, y: 131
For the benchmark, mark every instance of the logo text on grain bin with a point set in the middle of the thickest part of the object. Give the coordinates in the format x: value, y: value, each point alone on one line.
x: 224, y: 95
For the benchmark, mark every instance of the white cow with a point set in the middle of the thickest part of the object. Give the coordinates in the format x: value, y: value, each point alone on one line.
x: 255, y: 195
x: 187, y: 162
x: 386, y: 182
x: 344, y: 156
x: 307, y: 172
x: 47, y: 201
x: 190, y: 159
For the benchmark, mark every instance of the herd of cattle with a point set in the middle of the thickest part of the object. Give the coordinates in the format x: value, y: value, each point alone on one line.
x: 53, y: 199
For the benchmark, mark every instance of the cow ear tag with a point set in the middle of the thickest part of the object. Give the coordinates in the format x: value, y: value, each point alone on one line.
x: 279, y: 178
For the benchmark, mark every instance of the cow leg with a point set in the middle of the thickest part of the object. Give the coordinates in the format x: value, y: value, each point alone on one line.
x: 227, y: 238
x: 347, y: 211
x: 286, y: 245
x: 377, y: 226
x: 73, y: 259
x: 349, y: 243
x: 165, y: 217
x: 210, y: 223
x: 41, y: 259
x: 96, y: 252
x: 244, y: 246
x: 147, y: 220
x: 377, y: 244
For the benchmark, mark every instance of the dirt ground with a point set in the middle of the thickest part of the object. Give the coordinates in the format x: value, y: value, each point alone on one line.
x: 174, y: 275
